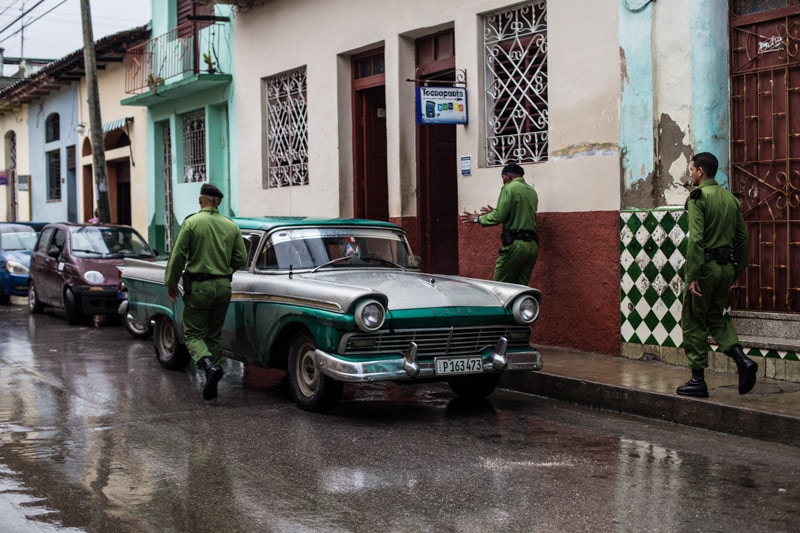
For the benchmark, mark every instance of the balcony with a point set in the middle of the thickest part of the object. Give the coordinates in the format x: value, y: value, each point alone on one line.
x: 172, y: 65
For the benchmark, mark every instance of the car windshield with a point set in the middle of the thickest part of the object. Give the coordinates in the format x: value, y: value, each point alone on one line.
x: 317, y: 248
x: 17, y: 240
x: 99, y: 241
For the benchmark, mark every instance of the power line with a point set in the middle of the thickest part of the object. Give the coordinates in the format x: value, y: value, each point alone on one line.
x: 40, y: 2
x: 32, y: 21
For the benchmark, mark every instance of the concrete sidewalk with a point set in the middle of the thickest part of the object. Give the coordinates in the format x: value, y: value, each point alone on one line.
x: 771, y: 411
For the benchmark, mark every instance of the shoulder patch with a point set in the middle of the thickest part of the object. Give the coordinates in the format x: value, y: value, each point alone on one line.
x: 696, y: 194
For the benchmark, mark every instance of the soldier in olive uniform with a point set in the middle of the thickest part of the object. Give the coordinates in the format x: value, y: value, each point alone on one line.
x: 716, y: 255
x: 516, y: 211
x: 210, y: 248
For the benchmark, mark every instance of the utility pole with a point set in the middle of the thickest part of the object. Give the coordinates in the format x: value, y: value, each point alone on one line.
x: 95, y: 123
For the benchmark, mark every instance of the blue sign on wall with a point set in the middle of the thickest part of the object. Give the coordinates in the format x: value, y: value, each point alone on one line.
x: 441, y: 105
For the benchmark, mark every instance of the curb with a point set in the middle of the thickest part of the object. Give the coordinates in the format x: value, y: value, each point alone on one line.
x: 692, y: 412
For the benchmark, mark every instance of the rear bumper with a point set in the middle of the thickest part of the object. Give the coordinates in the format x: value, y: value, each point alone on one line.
x: 408, y: 368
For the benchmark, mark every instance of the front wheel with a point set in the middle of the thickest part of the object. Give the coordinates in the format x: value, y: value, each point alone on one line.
x: 171, y: 354
x: 312, y: 390
x: 475, y: 386
x: 34, y: 304
x: 71, y: 307
x: 138, y: 330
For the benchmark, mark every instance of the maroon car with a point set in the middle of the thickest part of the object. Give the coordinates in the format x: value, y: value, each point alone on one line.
x: 74, y: 267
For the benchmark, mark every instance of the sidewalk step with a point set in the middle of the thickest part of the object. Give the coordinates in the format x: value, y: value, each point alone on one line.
x: 647, y: 388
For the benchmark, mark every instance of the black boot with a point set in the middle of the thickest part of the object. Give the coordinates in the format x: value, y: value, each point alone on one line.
x: 696, y: 386
x: 213, y: 375
x: 747, y: 368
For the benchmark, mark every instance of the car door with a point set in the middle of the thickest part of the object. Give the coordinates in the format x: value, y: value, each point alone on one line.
x: 39, y: 260
x: 48, y: 275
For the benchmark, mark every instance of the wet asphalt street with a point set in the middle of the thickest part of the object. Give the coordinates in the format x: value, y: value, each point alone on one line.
x: 95, y: 436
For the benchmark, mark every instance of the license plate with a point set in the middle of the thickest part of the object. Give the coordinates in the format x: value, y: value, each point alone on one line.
x: 458, y: 365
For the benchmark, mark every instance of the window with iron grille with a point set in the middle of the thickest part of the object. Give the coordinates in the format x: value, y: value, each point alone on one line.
x: 193, y: 131
x: 749, y: 7
x: 54, y: 175
x: 286, y: 124
x: 515, y: 63
x: 52, y: 128
x: 166, y: 167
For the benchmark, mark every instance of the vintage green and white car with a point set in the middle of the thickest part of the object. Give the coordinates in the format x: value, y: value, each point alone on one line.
x: 339, y: 301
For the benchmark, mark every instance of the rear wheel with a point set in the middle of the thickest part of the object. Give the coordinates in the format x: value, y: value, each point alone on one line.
x: 71, y: 307
x: 477, y: 386
x: 137, y: 329
x: 34, y: 304
x: 171, y: 354
x: 312, y: 390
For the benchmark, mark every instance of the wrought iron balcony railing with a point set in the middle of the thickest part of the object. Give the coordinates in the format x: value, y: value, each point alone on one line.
x: 173, y: 54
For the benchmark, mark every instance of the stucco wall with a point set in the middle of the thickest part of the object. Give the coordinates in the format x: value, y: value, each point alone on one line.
x: 111, y: 87
x: 17, y: 121
x: 578, y: 185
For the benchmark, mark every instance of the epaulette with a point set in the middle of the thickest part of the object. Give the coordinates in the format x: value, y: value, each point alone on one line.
x: 694, y: 195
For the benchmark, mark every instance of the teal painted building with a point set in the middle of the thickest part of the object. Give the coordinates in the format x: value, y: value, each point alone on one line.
x: 184, y: 76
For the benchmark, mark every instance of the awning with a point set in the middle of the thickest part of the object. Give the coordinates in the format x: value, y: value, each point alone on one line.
x: 116, y: 124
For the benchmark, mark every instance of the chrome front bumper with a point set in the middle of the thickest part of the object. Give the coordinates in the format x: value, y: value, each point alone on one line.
x: 407, y: 367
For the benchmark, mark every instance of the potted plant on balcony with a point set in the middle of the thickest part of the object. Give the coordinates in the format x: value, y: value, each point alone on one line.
x: 210, y: 63
x: 154, y: 82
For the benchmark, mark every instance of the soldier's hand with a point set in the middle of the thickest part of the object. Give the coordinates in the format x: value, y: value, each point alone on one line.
x: 172, y: 294
x: 694, y: 288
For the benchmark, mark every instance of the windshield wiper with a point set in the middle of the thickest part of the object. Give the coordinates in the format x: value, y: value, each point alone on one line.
x: 333, y: 261
x: 381, y: 260
x: 88, y: 251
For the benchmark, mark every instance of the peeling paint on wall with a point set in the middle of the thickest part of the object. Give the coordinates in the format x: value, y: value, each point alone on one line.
x: 584, y: 149
x: 672, y: 164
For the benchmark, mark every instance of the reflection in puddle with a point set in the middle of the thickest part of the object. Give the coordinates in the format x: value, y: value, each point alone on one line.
x: 22, y: 512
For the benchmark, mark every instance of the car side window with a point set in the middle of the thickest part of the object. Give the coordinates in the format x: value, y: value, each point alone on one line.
x: 44, y: 240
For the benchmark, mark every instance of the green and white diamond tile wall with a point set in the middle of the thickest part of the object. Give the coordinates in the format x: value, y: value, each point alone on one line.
x: 652, y: 252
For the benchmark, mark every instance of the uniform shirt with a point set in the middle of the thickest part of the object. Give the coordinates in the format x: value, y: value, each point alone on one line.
x: 715, y: 221
x: 516, y: 207
x: 207, y: 243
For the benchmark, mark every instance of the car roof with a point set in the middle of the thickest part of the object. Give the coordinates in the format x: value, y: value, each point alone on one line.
x: 269, y: 223
x: 17, y: 228
x: 71, y: 225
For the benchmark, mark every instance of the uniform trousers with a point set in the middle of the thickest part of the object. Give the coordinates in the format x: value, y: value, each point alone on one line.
x: 515, y: 262
x: 705, y: 315
x: 203, y: 317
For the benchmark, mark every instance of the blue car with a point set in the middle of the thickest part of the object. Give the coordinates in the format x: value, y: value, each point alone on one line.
x: 16, y: 244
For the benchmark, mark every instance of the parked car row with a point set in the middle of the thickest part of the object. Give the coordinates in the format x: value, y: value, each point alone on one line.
x: 335, y: 301
x: 74, y: 267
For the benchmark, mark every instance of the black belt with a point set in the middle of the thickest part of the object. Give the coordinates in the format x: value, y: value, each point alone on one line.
x: 722, y: 255
x: 507, y: 237
x: 206, y: 277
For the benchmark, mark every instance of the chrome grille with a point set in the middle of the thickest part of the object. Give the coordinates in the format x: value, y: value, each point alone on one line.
x: 434, y: 342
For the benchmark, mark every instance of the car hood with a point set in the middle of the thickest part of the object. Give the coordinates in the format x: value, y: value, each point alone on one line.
x: 20, y: 256
x: 413, y: 290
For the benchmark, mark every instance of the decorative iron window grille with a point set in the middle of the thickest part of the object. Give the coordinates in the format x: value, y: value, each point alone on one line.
x: 54, y: 175
x: 193, y: 130
x: 12, y: 150
x: 750, y: 7
x: 166, y: 171
x: 515, y: 57
x: 286, y: 118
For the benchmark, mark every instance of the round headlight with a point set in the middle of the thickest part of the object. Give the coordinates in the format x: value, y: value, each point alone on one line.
x: 526, y: 309
x: 15, y: 267
x: 369, y: 315
x: 93, y: 276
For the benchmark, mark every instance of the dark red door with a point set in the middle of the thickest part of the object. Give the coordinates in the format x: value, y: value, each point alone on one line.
x: 372, y: 190
x: 438, y: 199
x: 765, y: 152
